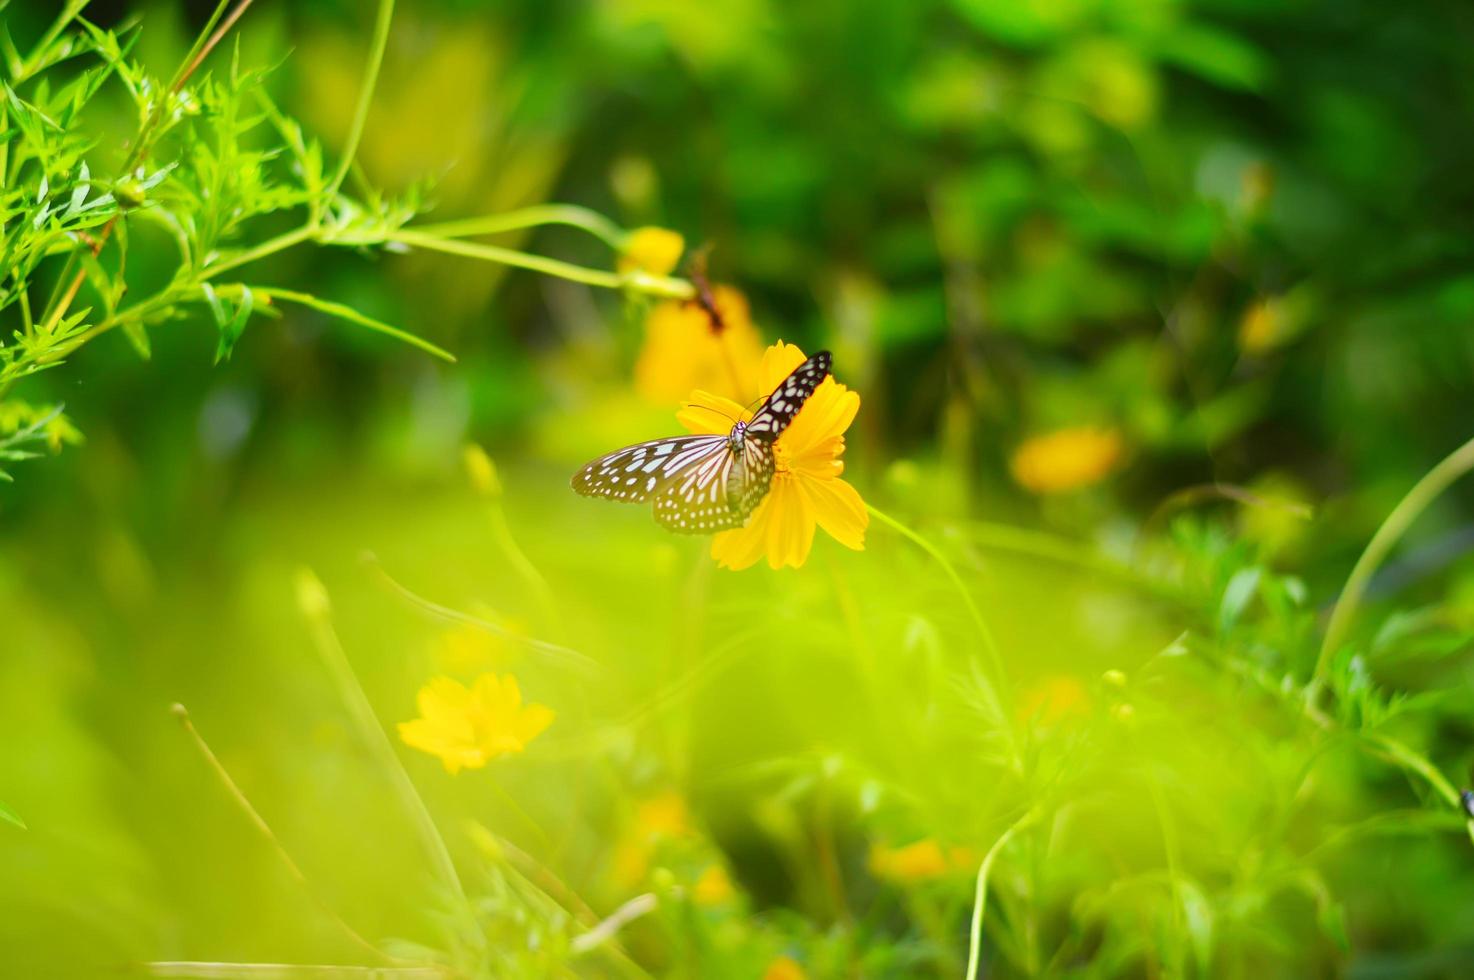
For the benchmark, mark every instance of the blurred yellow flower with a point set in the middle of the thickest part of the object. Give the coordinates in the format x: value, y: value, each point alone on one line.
x: 684, y: 349
x: 468, y: 727
x: 663, y: 815
x: 656, y: 818
x: 1066, y: 459
x: 784, y: 968
x: 1053, y: 699
x: 653, y: 250
x: 923, y: 860
x: 807, y: 489
x: 1262, y: 327
x: 714, y: 887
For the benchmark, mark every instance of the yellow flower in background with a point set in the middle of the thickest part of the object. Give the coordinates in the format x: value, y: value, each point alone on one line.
x: 653, y: 250
x: 468, y: 727
x: 656, y: 818
x: 924, y: 860
x: 784, y: 968
x: 1262, y: 327
x: 1054, y: 699
x: 684, y: 349
x: 1067, y: 459
x: 714, y: 887
x: 807, y: 489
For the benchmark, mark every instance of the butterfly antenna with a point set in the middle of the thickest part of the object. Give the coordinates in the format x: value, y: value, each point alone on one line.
x: 710, y: 409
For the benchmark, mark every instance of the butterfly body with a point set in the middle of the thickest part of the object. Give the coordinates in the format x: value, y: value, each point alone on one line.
x: 706, y: 483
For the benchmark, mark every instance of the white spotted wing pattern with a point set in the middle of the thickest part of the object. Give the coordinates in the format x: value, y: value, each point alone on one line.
x: 705, y: 483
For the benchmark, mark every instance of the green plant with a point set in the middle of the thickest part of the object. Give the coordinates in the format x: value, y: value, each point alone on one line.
x: 216, y: 165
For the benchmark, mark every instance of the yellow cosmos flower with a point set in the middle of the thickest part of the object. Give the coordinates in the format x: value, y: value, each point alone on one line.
x: 683, y: 349
x: 656, y: 818
x: 1262, y: 327
x: 1054, y: 699
x: 714, y: 887
x: 807, y: 489
x: 923, y: 860
x: 1067, y: 459
x: 784, y: 968
x: 653, y: 250
x: 468, y: 727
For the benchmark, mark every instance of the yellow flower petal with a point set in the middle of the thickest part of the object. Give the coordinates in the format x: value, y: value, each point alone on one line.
x: 790, y: 524
x: 466, y: 728
x: 708, y: 414
x: 839, y: 511
x: 653, y: 250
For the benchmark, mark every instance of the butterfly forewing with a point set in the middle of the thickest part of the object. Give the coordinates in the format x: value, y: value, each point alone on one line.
x: 698, y: 483
x: 785, y: 401
x: 635, y: 473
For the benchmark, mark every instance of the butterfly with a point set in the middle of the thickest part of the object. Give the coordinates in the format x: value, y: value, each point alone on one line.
x: 709, y: 482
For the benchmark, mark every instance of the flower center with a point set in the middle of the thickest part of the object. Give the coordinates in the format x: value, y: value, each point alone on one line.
x: 781, y: 461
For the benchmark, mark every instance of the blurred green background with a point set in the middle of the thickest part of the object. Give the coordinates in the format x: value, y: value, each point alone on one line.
x: 1233, y: 233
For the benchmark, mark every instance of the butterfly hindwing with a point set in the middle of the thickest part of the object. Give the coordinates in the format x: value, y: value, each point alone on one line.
x: 698, y: 500
x: 635, y: 473
x: 785, y: 401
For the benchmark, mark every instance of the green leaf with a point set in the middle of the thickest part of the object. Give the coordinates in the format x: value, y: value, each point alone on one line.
x: 9, y: 816
x: 1236, y: 597
x: 353, y: 316
x: 231, y: 331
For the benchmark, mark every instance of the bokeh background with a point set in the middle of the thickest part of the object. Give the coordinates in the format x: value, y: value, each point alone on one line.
x: 1232, y: 235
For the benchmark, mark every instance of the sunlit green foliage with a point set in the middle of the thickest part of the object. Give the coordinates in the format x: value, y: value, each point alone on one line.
x: 1156, y: 658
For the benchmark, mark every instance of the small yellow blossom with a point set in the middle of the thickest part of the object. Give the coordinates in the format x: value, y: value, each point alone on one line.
x: 1262, y: 327
x: 685, y: 349
x: 653, y: 250
x: 784, y: 968
x: 714, y: 887
x: 923, y: 860
x: 656, y: 818
x: 1066, y: 459
x: 807, y: 489
x: 1053, y: 699
x: 468, y: 727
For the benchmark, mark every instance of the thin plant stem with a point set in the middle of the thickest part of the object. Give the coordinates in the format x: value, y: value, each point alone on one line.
x: 365, y: 94
x: 1423, y: 493
x: 216, y: 970
x: 985, y: 634
x: 456, y: 616
x: 313, y: 600
x: 570, y: 215
x: 638, y: 281
x: 980, y: 892
x: 259, y: 822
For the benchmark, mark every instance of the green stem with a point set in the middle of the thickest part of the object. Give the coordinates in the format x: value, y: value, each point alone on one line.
x: 313, y: 599
x: 542, y: 214
x: 980, y: 893
x: 365, y: 94
x: 642, y: 282
x: 1423, y: 493
x: 990, y: 645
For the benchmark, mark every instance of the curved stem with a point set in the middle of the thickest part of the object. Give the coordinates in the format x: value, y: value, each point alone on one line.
x: 1423, y: 493
x: 365, y: 94
x: 990, y: 645
x: 980, y: 892
x: 638, y: 281
x: 542, y: 214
